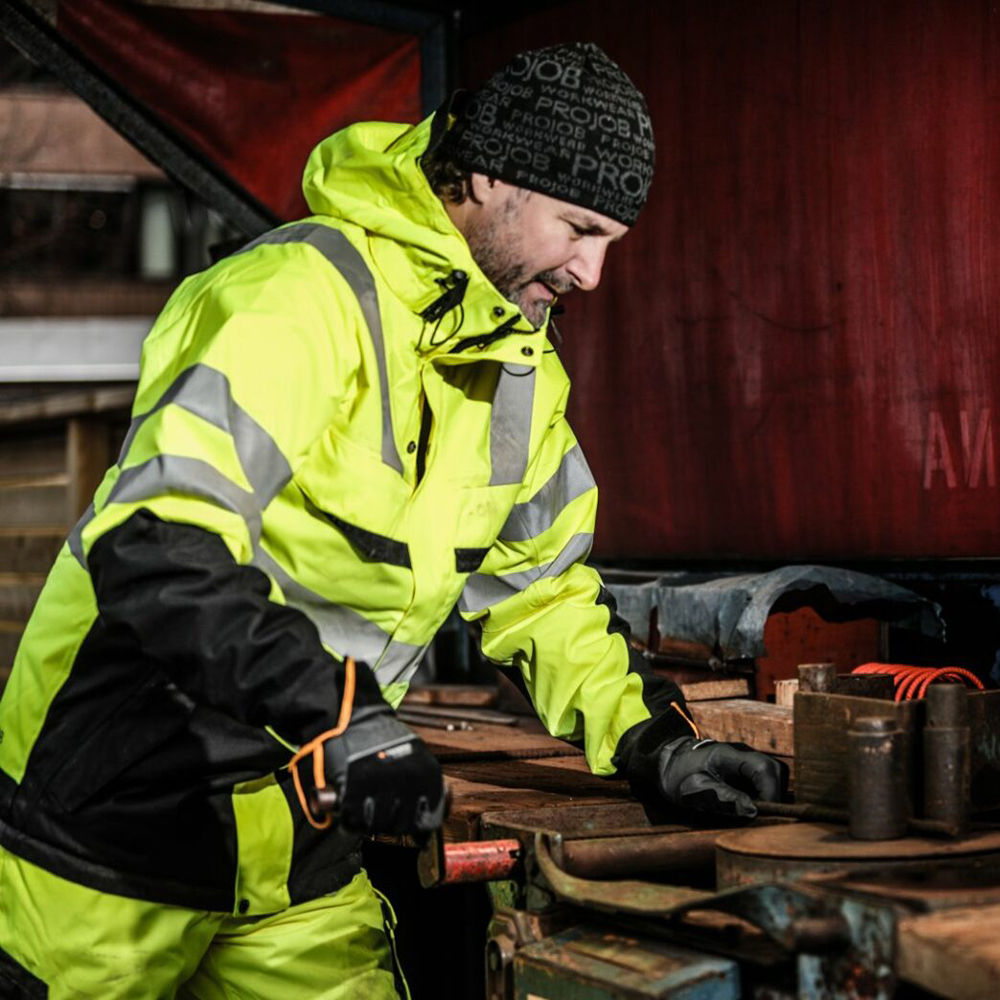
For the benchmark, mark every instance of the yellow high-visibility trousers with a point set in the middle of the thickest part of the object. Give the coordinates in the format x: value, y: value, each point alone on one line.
x: 62, y: 940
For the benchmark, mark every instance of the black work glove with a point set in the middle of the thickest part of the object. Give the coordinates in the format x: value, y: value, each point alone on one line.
x: 665, y: 763
x: 717, y: 777
x: 385, y: 779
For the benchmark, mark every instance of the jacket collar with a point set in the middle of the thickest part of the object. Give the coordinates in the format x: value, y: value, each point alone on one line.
x: 369, y: 174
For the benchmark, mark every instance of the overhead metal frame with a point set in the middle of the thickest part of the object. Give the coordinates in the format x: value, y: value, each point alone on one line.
x: 39, y: 41
x: 430, y: 27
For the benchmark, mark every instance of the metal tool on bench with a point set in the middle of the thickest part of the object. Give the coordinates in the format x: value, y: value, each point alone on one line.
x: 451, y: 718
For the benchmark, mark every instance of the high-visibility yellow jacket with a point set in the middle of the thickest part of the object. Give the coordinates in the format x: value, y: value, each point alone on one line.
x: 339, y: 432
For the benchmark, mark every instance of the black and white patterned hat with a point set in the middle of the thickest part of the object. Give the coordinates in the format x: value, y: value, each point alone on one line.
x: 565, y: 121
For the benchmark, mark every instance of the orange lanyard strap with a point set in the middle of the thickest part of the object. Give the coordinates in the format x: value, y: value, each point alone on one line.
x: 315, y: 747
x: 687, y: 718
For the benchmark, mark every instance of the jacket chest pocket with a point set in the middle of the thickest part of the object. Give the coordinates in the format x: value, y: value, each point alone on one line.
x: 482, y: 512
x: 353, y: 498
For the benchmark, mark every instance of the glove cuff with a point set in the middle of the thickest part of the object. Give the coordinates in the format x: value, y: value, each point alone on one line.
x: 638, y: 755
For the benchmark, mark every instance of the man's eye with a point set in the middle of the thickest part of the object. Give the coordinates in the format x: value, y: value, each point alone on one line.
x: 577, y: 230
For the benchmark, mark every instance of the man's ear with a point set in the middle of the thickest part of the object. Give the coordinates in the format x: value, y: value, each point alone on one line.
x: 482, y: 188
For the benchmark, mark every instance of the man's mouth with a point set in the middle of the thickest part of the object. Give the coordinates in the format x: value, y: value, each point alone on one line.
x: 548, y: 290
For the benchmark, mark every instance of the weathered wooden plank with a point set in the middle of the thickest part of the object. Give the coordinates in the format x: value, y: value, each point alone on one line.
x: 784, y: 692
x: 952, y: 953
x: 55, y: 405
x: 716, y: 689
x: 32, y: 453
x: 557, y: 775
x: 69, y: 296
x: 37, y: 502
x: 10, y: 636
x: 763, y: 726
x: 469, y: 695
x: 527, y: 737
x: 89, y: 454
x: 470, y: 799
x: 18, y: 593
x: 29, y: 550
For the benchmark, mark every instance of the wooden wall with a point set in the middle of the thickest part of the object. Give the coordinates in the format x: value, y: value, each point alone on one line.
x: 49, y: 469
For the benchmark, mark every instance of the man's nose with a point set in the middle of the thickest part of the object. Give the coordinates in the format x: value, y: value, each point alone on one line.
x: 586, y: 267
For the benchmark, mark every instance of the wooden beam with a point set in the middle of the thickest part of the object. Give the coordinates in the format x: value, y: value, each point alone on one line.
x: 54, y: 406
x: 763, y: 726
x: 88, y: 456
x: 953, y: 953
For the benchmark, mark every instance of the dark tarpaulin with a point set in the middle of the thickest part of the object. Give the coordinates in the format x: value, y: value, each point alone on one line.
x: 254, y: 92
x: 727, y: 614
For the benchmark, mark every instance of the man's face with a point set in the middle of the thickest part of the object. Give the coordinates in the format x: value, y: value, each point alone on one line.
x: 534, y: 248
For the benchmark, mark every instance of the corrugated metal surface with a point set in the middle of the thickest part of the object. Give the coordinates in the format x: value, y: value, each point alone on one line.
x: 795, y: 354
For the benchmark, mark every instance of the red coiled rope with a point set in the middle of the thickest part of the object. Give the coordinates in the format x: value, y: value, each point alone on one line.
x: 913, y: 682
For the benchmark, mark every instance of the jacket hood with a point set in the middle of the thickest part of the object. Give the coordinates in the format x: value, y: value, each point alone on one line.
x: 369, y: 175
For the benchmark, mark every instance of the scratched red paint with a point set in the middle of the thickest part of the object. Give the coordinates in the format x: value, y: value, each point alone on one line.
x: 797, y: 352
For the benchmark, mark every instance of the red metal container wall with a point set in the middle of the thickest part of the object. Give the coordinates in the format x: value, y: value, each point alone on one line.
x: 795, y: 353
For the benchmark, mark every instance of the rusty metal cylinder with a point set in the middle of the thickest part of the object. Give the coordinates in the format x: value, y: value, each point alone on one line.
x: 877, y: 803
x: 625, y: 857
x: 947, y: 755
x: 819, y: 678
x: 480, y: 861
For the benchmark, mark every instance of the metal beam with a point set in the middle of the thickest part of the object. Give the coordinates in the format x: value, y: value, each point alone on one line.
x: 43, y: 44
x: 91, y: 349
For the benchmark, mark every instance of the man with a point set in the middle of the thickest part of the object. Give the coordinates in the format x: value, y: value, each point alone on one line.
x: 339, y: 432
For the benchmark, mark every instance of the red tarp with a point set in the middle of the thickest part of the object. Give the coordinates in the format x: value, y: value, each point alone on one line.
x: 253, y: 91
x: 795, y: 354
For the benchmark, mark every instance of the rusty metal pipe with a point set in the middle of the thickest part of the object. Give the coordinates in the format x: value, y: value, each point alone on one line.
x: 470, y: 861
x: 645, y: 854
x: 947, y: 756
x: 876, y: 780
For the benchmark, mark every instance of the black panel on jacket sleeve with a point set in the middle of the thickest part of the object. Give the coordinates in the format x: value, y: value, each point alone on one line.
x: 659, y: 694
x: 187, y: 605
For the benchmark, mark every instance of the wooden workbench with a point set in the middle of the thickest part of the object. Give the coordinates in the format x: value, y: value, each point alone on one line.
x: 521, y: 767
x: 506, y: 767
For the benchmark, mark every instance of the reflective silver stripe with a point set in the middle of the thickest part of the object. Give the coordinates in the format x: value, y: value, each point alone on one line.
x: 341, y: 253
x: 570, y: 480
x: 482, y: 590
x: 399, y: 662
x: 75, y: 540
x: 206, y: 393
x: 178, y: 475
x: 340, y: 628
x: 510, y: 424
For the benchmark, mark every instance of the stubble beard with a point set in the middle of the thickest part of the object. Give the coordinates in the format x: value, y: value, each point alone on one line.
x: 496, y: 248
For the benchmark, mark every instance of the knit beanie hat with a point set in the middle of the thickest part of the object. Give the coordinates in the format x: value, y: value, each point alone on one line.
x: 565, y: 121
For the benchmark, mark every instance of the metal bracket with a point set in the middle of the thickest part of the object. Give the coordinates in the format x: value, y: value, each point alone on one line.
x: 844, y: 947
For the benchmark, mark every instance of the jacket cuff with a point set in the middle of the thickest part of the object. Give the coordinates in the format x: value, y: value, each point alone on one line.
x: 637, y: 756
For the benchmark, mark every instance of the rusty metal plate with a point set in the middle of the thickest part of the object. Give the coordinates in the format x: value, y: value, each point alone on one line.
x: 807, y: 850
x: 956, y: 883
x: 821, y: 841
x: 604, y: 965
